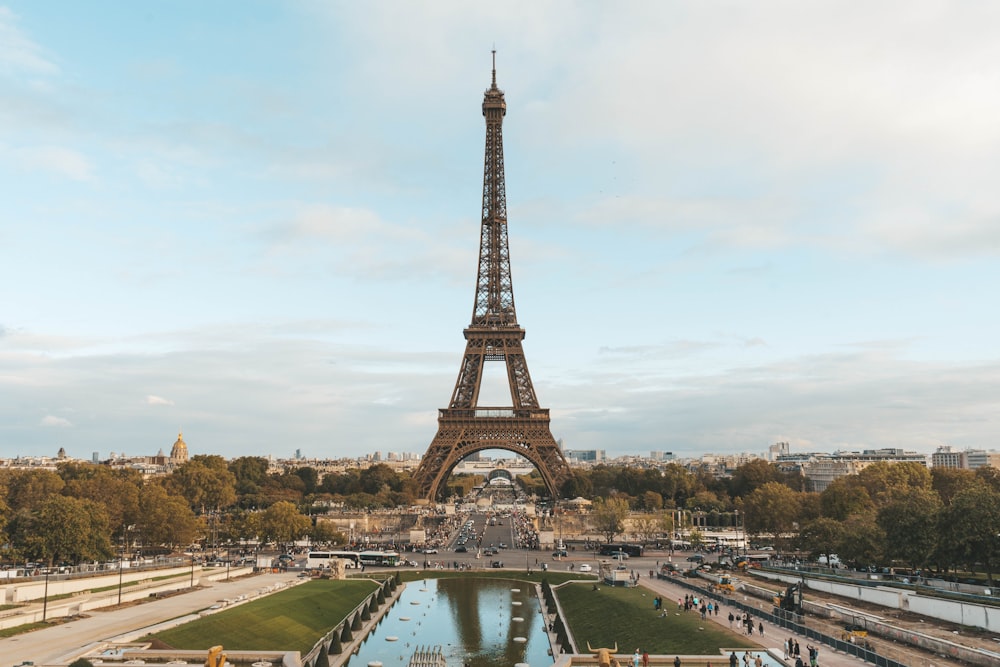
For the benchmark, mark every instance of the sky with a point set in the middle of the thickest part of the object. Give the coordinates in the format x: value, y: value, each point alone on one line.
x: 730, y: 224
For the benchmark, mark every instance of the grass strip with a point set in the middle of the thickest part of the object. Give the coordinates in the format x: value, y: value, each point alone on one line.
x: 625, y: 616
x: 293, y: 620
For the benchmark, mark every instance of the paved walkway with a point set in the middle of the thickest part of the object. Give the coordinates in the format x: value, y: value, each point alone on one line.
x: 54, y: 644
x: 773, y: 635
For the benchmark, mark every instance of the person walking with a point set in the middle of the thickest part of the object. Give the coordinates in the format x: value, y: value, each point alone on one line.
x: 636, y: 658
x: 731, y: 619
x: 677, y: 661
x: 760, y: 628
x: 645, y: 659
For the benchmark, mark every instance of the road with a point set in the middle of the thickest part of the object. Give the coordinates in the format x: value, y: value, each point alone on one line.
x: 60, y: 644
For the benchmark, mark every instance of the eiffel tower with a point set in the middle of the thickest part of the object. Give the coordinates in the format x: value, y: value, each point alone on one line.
x: 465, y: 427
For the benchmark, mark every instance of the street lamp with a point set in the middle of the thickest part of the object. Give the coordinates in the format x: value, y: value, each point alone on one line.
x: 120, y: 571
x: 45, y: 601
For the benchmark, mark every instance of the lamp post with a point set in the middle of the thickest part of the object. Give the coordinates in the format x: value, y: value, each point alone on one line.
x: 121, y: 569
x: 45, y: 601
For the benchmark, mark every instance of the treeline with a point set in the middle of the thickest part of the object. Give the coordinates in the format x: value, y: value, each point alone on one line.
x: 941, y: 518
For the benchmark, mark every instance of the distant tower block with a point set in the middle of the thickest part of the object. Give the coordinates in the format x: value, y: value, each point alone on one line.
x: 179, y: 453
x: 465, y: 427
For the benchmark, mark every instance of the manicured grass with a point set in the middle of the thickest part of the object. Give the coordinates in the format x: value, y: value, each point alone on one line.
x: 623, y: 615
x: 292, y: 620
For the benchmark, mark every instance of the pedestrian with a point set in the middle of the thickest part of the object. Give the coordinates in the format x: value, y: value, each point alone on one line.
x: 636, y: 658
x: 717, y: 609
x: 798, y: 662
x: 677, y: 661
x: 813, y: 655
x: 760, y: 628
x: 784, y: 649
x: 731, y: 619
x: 757, y: 662
x: 645, y: 659
x: 798, y: 653
x: 733, y: 660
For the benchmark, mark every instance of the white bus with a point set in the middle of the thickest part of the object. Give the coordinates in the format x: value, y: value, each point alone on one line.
x: 390, y: 558
x: 321, y: 559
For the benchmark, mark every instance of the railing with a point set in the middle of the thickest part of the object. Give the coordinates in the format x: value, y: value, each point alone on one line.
x: 793, y: 623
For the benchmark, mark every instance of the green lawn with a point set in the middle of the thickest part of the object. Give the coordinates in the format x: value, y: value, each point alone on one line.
x: 291, y: 620
x: 625, y: 616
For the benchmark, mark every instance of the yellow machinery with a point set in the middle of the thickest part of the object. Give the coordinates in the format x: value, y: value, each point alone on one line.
x: 724, y: 584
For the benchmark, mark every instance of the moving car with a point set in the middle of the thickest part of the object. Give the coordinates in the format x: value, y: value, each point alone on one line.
x: 585, y: 567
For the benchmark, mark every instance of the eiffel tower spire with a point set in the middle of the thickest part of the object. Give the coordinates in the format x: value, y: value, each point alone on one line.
x: 493, y: 335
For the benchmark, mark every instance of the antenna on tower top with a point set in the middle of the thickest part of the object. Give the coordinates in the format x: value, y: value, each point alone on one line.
x: 494, y: 66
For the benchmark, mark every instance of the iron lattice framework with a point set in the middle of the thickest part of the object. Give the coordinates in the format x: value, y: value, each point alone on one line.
x: 494, y: 335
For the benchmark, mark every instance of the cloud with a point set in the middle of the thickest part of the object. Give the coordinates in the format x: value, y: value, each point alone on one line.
x: 18, y: 52
x: 54, y: 159
x: 56, y: 422
x: 158, y: 400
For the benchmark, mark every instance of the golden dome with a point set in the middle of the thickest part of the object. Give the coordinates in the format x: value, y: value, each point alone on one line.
x: 179, y: 453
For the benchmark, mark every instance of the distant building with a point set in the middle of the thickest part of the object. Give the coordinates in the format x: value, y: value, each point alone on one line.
x: 969, y: 459
x: 179, y: 452
x: 661, y: 456
x: 824, y: 469
x: 592, y: 455
x: 777, y: 450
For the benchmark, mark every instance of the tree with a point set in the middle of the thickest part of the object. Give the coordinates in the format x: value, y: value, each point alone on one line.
x: 821, y: 536
x: 578, y: 485
x: 772, y: 508
x: 251, y: 474
x: 325, y: 532
x: 909, y: 522
x: 949, y: 481
x: 862, y: 541
x: 646, y: 526
x: 206, y: 482
x: 282, y: 522
x: 28, y: 489
x: 166, y: 519
x: 845, y: 497
x: 608, y: 515
x: 64, y: 529
x: 969, y: 528
x: 885, y: 481
x: 753, y: 475
x: 116, y: 490
x: 651, y: 501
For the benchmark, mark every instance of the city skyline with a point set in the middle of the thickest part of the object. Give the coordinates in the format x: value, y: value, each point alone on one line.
x: 729, y: 225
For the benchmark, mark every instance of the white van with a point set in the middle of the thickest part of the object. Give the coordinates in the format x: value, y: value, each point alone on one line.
x: 833, y: 560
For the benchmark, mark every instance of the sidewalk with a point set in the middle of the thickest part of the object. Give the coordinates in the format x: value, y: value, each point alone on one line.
x: 773, y: 635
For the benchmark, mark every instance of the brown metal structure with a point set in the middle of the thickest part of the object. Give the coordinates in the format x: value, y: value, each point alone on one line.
x: 494, y: 335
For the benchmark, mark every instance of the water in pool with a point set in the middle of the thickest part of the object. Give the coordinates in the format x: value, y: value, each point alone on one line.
x: 476, y: 622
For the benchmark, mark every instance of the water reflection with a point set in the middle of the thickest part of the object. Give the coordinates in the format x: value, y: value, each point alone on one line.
x: 472, y: 620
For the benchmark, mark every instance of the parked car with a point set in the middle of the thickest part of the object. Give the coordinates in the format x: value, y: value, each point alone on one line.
x: 430, y: 551
x: 560, y: 553
x: 461, y: 549
x: 696, y: 558
x: 585, y: 567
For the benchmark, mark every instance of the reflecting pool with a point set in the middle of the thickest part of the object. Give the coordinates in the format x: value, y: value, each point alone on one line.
x: 476, y: 622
